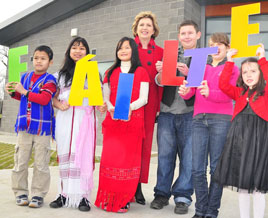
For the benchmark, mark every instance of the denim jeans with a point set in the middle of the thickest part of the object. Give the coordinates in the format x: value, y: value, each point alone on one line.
x: 209, y: 137
x: 174, y: 139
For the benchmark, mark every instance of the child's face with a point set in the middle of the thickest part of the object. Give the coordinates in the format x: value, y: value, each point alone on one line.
x: 145, y: 28
x: 250, y: 74
x: 78, y: 51
x: 41, y: 62
x: 222, y: 50
x: 124, y: 53
x: 188, y: 37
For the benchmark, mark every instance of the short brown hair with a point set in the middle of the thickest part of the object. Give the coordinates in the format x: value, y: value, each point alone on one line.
x: 145, y: 14
x: 220, y: 38
x: 189, y: 23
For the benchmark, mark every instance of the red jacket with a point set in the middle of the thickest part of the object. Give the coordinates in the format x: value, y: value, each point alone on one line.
x: 260, y: 106
x: 148, y: 58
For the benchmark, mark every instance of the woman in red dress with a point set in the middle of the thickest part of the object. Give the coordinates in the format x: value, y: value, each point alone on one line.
x: 122, y: 140
x: 145, y: 29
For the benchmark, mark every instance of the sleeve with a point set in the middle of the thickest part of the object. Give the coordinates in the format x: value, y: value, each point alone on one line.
x: 106, y: 96
x: 16, y: 96
x: 143, y: 97
x: 217, y: 95
x: 105, y: 80
x: 264, y: 67
x: 45, y: 95
x: 224, y: 83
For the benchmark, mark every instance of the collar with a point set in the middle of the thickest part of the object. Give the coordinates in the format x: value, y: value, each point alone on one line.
x: 151, y: 43
x: 209, y: 62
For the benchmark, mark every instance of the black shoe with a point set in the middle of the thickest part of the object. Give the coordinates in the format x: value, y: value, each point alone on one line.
x: 197, y: 216
x: 159, y: 202
x: 139, y: 196
x: 59, y: 202
x: 84, y: 205
x: 181, y: 208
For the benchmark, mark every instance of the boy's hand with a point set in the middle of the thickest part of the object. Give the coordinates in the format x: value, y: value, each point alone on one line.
x: 9, y: 88
x: 204, y: 89
x: 183, y: 68
x: 183, y: 90
x: 260, y: 51
x: 231, y: 53
x: 20, y: 89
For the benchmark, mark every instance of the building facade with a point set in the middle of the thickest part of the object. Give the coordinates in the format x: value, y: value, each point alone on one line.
x: 105, y: 22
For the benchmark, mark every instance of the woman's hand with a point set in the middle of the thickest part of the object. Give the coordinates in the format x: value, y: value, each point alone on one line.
x: 102, y: 108
x: 61, y: 105
x: 159, y: 67
x: 231, y: 53
x: 111, y: 110
x: 260, y: 51
x: 204, y: 89
x: 183, y: 90
x: 129, y: 115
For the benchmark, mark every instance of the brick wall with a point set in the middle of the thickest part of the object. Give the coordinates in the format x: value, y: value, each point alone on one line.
x: 102, y: 26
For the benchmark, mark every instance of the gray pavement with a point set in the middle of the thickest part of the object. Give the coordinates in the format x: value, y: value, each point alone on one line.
x: 8, y: 208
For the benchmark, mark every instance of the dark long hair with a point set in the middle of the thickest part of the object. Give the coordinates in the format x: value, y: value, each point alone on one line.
x: 258, y: 88
x: 135, y: 60
x: 68, y: 67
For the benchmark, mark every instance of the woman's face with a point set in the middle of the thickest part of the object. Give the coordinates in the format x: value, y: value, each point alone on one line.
x: 145, y: 28
x: 124, y: 52
x: 78, y: 51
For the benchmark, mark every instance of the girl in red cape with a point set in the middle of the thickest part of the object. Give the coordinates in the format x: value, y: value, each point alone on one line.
x: 120, y: 164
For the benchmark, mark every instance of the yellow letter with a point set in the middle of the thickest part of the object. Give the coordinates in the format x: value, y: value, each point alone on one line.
x: 86, y: 69
x: 240, y: 29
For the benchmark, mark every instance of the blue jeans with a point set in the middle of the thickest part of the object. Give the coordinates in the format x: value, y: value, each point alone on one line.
x: 174, y: 139
x: 209, y: 137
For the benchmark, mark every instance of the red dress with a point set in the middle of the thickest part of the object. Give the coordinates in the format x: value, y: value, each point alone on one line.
x: 148, y: 58
x: 121, y: 154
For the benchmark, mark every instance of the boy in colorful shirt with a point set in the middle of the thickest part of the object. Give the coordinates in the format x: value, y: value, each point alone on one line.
x: 35, y: 125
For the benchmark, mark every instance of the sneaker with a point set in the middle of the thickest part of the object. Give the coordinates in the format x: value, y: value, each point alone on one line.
x: 22, y: 200
x: 181, y: 208
x: 124, y: 209
x: 159, y: 202
x: 59, y: 202
x: 197, y: 216
x: 36, y: 202
x: 84, y: 205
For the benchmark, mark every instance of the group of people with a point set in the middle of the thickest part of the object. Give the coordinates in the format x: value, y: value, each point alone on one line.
x: 196, y: 125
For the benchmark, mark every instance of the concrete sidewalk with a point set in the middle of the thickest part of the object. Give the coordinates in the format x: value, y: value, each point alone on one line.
x: 8, y: 208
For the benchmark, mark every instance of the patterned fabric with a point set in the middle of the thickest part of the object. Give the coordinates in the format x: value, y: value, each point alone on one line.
x: 42, y: 120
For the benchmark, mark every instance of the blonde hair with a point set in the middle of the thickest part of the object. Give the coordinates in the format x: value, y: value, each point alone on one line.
x: 145, y: 14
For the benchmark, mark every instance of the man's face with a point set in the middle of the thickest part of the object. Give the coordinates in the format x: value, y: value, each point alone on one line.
x: 188, y: 37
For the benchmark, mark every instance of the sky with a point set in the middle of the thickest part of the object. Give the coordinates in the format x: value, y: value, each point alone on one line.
x: 9, y: 8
